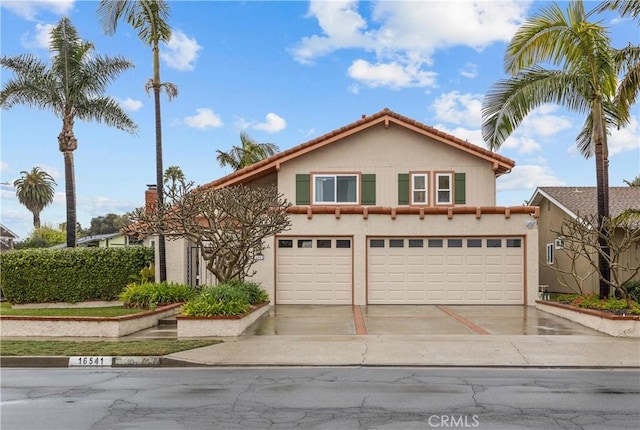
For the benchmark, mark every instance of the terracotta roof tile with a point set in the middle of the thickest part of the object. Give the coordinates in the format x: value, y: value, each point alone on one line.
x: 269, y: 163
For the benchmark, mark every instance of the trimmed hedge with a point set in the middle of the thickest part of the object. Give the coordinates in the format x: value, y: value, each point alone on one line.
x: 70, y: 274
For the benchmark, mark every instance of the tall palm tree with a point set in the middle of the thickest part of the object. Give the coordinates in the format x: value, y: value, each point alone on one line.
x: 35, y: 190
x: 247, y: 153
x: 149, y: 18
x: 72, y: 88
x: 585, y: 82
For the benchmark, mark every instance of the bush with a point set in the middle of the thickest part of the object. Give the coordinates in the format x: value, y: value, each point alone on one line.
x: 633, y: 290
x: 70, y: 274
x: 150, y: 295
x: 254, y: 292
x: 592, y: 301
x: 230, y: 299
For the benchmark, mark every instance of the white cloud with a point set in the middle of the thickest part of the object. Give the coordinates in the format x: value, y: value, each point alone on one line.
x: 625, y: 139
x: 403, y: 36
x: 393, y: 75
x: 100, y: 205
x: 528, y: 177
x: 205, y: 118
x: 129, y: 104
x: 273, y: 124
x: 523, y: 145
x: 39, y: 40
x: 456, y: 108
x: 5, y: 168
x: 181, y: 52
x: 469, y: 70
x: 30, y: 9
x: 545, y: 122
x: 472, y: 136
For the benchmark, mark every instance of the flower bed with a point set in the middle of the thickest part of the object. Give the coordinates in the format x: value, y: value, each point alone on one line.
x: 605, y: 322
x: 33, y: 326
x: 219, y: 326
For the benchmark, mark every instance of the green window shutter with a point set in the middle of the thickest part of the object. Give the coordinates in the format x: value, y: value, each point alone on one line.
x: 403, y: 188
x: 368, y: 188
x: 461, y: 192
x: 303, y: 189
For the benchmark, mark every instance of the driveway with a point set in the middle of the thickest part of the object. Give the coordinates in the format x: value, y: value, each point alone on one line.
x: 288, y: 320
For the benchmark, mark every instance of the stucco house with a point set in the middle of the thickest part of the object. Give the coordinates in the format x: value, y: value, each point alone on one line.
x: 558, y: 204
x: 387, y: 210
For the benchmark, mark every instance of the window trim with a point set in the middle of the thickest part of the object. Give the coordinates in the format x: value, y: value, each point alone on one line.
x: 427, y: 190
x: 550, y: 254
x: 451, y: 188
x: 314, y: 175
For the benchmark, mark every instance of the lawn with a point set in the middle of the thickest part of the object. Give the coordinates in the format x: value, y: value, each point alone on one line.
x: 98, y: 348
x: 111, y: 311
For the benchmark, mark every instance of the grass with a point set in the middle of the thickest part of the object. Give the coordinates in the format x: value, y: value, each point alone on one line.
x: 111, y: 311
x: 102, y: 348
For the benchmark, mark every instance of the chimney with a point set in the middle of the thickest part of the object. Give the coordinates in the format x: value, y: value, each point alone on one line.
x: 151, y: 198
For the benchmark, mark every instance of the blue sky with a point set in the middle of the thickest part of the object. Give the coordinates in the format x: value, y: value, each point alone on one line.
x: 286, y: 72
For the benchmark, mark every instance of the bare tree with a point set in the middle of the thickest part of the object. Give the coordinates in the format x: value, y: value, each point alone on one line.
x: 229, y: 225
x: 580, y: 242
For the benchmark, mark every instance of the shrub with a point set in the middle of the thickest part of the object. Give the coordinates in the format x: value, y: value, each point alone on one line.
x: 151, y: 295
x: 592, y: 301
x: 70, y: 274
x: 216, y: 301
x: 232, y: 298
x: 633, y: 290
x: 254, y: 292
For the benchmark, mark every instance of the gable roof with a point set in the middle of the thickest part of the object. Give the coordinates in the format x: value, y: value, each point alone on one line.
x: 500, y: 163
x: 5, y: 232
x: 583, y: 201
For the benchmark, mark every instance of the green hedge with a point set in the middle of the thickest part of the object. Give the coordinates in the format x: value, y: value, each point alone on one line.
x: 149, y: 294
x: 70, y: 274
x: 232, y: 298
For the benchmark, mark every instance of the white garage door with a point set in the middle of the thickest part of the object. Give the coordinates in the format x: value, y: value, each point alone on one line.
x: 445, y: 270
x: 314, y: 270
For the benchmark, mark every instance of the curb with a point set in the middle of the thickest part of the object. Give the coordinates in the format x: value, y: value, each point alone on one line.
x: 62, y: 362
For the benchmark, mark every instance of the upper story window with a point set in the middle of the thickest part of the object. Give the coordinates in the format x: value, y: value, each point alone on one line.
x: 335, y: 189
x: 419, y: 188
x: 444, y: 188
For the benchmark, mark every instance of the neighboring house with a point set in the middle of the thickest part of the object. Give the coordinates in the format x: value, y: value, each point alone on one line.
x: 558, y: 204
x: 387, y: 210
x: 109, y: 240
x: 7, y: 238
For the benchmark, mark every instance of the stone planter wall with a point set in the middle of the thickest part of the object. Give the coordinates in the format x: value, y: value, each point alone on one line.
x: 613, y: 325
x: 218, y: 326
x: 27, y: 326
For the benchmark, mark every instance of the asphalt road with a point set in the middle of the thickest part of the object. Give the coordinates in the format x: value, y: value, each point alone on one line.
x: 318, y: 398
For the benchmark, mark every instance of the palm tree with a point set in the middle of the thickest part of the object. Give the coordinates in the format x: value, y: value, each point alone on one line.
x: 173, y: 174
x: 72, y: 88
x: 35, y: 190
x: 247, y: 153
x: 634, y: 182
x: 149, y: 18
x: 585, y: 82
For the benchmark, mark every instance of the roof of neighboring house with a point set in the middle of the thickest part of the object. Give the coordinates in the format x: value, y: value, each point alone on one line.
x: 5, y: 232
x: 582, y: 201
x: 90, y: 239
x: 501, y: 164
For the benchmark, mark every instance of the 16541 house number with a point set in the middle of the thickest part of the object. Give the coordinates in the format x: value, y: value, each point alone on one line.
x: 91, y: 361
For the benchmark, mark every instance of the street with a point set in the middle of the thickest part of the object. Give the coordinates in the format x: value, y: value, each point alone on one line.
x: 322, y: 398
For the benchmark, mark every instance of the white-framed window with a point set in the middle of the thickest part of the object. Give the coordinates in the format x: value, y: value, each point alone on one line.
x: 419, y: 188
x: 550, y: 254
x: 444, y: 188
x: 342, y: 189
x: 559, y: 242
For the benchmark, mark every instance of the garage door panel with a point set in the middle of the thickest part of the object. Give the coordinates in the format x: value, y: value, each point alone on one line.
x: 308, y: 274
x: 456, y: 275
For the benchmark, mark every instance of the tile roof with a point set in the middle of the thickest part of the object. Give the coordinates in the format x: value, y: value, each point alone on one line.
x: 502, y: 164
x: 583, y: 200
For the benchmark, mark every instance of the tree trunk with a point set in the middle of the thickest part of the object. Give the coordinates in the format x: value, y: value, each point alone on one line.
x: 162, y: 255
x: 602, y: 189
x: 68, y: 143
x: 36, y: 219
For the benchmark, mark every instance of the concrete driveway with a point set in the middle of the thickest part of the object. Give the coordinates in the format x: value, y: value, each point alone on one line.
x: 289, y: 320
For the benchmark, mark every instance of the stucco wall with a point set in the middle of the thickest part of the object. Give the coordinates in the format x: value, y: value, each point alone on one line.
x: 387, y: 152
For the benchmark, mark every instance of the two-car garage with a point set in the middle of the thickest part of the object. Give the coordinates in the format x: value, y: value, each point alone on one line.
x: 402, y: 270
